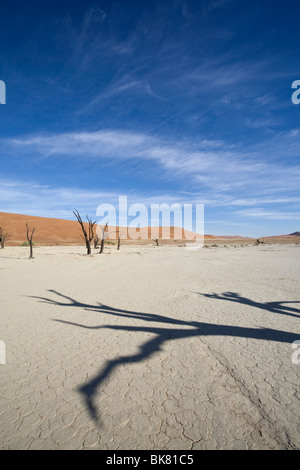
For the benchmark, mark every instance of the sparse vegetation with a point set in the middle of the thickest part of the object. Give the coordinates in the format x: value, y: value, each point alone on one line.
x: 27, y: 244
x: 110, y: 242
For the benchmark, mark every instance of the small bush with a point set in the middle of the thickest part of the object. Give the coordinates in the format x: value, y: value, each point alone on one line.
x: 26, y: 244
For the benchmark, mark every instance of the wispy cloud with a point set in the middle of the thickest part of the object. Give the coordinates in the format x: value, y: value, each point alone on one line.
x: 217, y: 166
x: 94, y: 15
x: 213, y: 5
x: 125, y: 85
x: 30, y: 198
x: 261, y: 213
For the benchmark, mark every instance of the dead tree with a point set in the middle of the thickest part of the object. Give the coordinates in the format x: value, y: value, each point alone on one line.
x: 119, y: 238
x: 3, y: 237
x: 96, y: 241
x: 156, y: 240
x: 29, y: 238
x: 104, y: 235
x: 86, y: 235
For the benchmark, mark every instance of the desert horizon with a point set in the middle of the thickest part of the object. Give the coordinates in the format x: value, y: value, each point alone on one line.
x: 56, y: 231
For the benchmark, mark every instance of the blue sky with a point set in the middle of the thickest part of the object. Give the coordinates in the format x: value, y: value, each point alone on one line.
x: 165, y: 102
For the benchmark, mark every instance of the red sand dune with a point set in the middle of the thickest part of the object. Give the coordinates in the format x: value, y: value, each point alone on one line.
x: 50, y: 231
x: 47, y: 231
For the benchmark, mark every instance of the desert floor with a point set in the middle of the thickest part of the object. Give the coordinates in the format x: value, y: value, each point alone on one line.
x: 150, y: 348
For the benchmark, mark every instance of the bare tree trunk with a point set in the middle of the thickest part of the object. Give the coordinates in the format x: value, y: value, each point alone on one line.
x: 119, y: 242
x: 88, y: 237
x: 29, y: 238
x: 3, y: 237
x: 96, y: 241
x: 104, y: 235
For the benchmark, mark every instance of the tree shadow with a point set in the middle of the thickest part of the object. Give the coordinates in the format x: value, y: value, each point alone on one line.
x: 273, y: 307
x: 176, y: 329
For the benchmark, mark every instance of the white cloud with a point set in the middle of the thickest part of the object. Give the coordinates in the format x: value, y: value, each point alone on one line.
x: 33, y: 199
x: 30, y: 198
x: 123, y: 85
x: 214, y: 165
x: 269, y: 214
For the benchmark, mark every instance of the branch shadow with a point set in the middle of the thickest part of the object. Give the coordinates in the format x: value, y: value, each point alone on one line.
x: 273, y: 307
x: 176, y: 329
